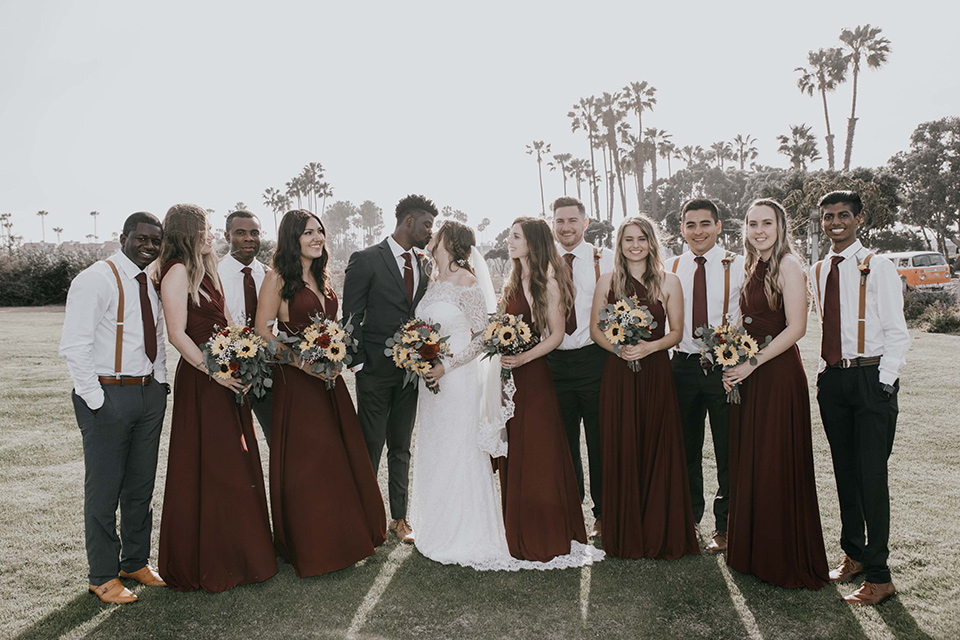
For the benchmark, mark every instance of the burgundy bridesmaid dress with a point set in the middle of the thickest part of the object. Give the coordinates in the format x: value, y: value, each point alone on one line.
x: 774, y: 526
x: 541, y: 502
x: 327, y: 509
x: 215, y: 530
x: 646, y: 495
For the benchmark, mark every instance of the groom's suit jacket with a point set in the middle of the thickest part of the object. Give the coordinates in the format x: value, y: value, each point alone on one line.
x: 374, y: 293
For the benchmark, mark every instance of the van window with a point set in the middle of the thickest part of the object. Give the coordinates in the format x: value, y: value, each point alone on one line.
x: 903, y: 262
x: 936, y: 260
x: 921, y: 261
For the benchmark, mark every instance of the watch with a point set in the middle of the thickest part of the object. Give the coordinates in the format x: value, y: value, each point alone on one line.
x: 166, y: 387
x: 889, y: 389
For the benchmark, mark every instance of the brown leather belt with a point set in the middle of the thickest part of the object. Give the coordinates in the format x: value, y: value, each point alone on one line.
x: 856, y: 362
x: 126, y: 381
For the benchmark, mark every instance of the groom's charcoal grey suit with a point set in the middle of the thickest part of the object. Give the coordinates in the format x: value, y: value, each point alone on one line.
x: 375, y: 294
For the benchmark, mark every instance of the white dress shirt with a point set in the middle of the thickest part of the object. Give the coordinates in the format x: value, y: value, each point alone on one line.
x: 231, y: 275
x: 585, y: 283
x: 686, y: 269
x: 886, y: 333
x: 398, y: 252
x: 90, y: 328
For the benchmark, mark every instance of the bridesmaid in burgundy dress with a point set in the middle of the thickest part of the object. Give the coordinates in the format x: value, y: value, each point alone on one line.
x: 215, y: 530
x: 326, y: 504
x: 646, y: 498
x: 541, y: 501
x: 774, y: 526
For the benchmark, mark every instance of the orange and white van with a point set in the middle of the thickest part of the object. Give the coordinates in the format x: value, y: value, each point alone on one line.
x: 920, y: 269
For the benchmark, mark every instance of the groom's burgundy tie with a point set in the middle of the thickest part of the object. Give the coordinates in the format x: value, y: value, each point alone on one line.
x: 249, y: 295
x: 571, y: 324
x: 700, y: 316
x: 146, y: 313
x: 408, y: 275
x: 830, y: 346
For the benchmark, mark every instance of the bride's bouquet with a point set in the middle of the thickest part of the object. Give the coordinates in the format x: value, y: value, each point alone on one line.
x: 727, y: 346
x: 238, y: 352
x: 325, y: 347
x: 416, y: 347
x: 626, y: 323
x: 507, y: 335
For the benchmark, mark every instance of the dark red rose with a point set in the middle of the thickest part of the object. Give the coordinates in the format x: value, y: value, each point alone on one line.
x: 234, y: 366
x: 722, y: 340
x: 247, y: 330
x: 324, y: 340
x: 429, y: 351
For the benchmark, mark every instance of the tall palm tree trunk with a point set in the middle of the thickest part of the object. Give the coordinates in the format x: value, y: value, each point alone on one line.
x: 543, y: 206
x: 594, y: 187
x: 653, y: 184
x: 829, y: 136
x: 851, y: 124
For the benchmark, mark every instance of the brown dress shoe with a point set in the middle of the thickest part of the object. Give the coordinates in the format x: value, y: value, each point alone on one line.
x: 401, y: 528
x: 597, y: 531
x: 846, y: 570
x: 113, y: 592
x: 718, y: 543
x: 871, y: 593
x: 146, y: 576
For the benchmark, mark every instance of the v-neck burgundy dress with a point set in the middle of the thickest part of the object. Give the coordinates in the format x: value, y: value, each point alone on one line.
x: 541, y: 502
x: 646, y: 495
x: 215, y: 530
x: 774, y: 526
x: 327, y: 509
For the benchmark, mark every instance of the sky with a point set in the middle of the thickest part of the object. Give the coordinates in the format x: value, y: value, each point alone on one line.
x: 121, y: 106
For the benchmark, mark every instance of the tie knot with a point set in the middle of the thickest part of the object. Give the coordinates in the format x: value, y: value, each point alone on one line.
x: 142, y: 278
x: 246, y: 271
x: 700, y: 259
x: 569, y: 258
x: 836, y: 260
x: 406, y: 258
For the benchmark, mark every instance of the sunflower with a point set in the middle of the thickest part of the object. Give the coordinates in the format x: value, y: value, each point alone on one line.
x: 400, y: 355
x: 726, y: 355
x: 434, y: 337
x: 336, y: 332
x: 422, y: 367
x: 621, y: 306
x: 247, y: 348
x: 489, y: 331
x: 507, y: 335
x: 311, y: 335
x: 335, y: 353
x: 223, y: 372
x: 219, y: 345
x: 304, y: 346
x: 614, y: 333
x: 749, y: 345
x: 523, y: 330
x: 640, y: 314
x: 409, y: 338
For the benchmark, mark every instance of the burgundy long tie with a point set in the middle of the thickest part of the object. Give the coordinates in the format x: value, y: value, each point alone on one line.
x: 146, y: 313
x: 408, y: 275
x: 571, y: 324
x: 830, y: 346
x: 699, y: 294
x: 249, y: 296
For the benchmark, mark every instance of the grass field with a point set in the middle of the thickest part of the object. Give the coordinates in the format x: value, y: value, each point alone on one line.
x: 399, y: 594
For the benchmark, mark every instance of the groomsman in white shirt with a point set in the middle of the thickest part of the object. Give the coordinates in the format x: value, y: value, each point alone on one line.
x: 115, y: 352
x: 863, y: 346
x: 242, y: 274
x: 711, y: 279
x: 577, y: 364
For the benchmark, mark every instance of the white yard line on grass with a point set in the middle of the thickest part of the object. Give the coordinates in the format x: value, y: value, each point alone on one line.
x: 82, y: 630
x: 584, y: 593
x: 739, y: 602
x: 394, y: 560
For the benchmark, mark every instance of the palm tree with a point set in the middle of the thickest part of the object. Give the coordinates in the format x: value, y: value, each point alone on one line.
x: 540, y: 147
x: 295, y: 190
x: 744, y: 149
x: 690, y: 154
x: 561, y: 160
x: 324, y: 190
x: 668, y: 151
x: 95, y: 215
x: 655, y: 137
x: 800, y: 146
x: 311, y: 176
x: 641, y: 151
x: 578, y: 169
x: 584, y: 116
x: 721, y: 151
x: 43, y: 231
x: 865, y: 43
x: 58, y: 231
x: 4, y: 217
x: 277, y: 203
x: 828, y: 68
x: 612, y: 116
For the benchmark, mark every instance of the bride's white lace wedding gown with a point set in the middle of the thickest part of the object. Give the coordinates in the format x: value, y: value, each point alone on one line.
x: 455, y: 504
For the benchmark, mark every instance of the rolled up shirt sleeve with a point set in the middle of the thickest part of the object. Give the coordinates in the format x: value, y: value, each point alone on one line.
x: 86, y: 304
x: 160, y: 364
x: 896, y: 338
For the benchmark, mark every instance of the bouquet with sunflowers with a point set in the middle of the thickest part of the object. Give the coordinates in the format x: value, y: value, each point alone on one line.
x: 626, y: 323
x: 325, y: 347
x: 507, y: 335
x: 415, y: 348
x: 727, y: 346
x: 238, y: 352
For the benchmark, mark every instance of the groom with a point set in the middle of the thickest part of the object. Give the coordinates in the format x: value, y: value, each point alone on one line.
x: 382, y: 286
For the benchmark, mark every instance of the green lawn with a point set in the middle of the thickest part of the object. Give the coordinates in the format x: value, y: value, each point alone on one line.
x: 398, y: 593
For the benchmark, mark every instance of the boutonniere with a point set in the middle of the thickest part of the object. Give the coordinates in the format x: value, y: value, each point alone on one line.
x: 863, y: 268
x: 727, y: 261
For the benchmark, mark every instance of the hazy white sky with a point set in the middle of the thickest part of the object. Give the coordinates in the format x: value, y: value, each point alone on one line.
x: 120, y: 106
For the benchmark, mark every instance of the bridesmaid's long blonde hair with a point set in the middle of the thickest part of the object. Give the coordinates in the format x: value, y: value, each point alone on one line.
x: 652, y: 277
x: 544, y: 263
x: 184, y: 237
x: 782, y: 247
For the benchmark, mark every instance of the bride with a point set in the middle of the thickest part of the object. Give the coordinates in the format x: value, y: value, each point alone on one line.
x: 455, y: 502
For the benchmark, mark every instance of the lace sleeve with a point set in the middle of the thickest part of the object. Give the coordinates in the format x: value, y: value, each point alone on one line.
x: 473, y: 304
